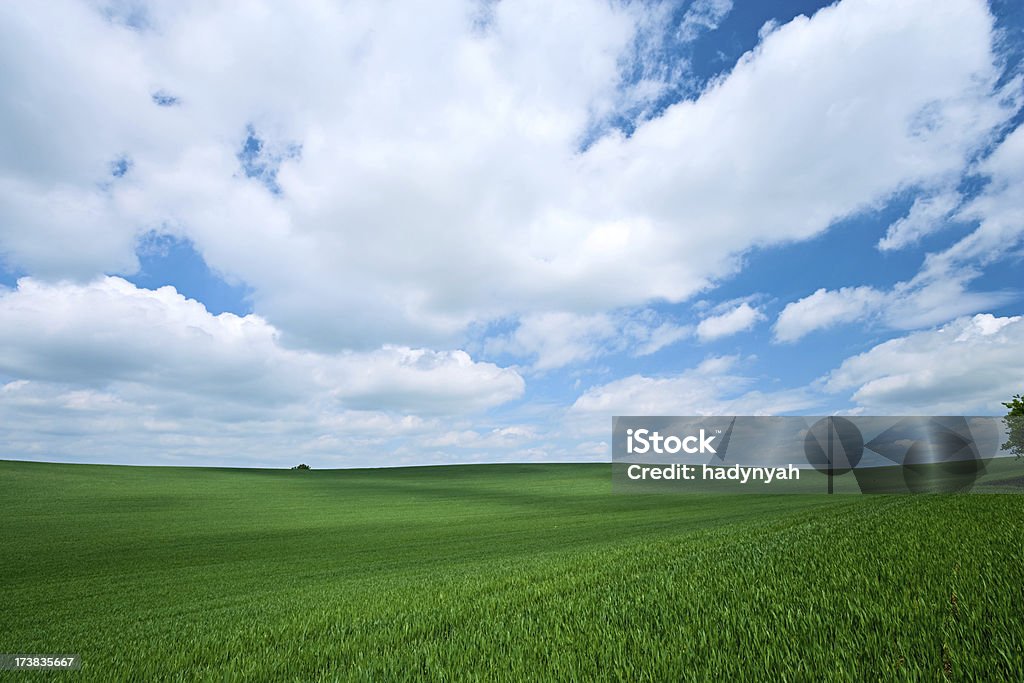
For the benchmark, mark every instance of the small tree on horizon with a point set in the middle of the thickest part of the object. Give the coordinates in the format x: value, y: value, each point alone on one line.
x: 1015, y: 426
x: 302, y: 466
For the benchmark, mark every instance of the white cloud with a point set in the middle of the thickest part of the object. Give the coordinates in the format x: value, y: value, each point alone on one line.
x: 939, y: 292
x: 498, y: 437
x: 693, y: 392
x: 714, y: 387
x: 439, y: 182
x: 135, y: 361
x: 824, y: 309
x: 998, y: 210
x: 930, y: 298
x: 558, y: 339
x: 926, y: 215
x: 652, y: 339
x: 965, y: 367
x: 135, y: 425
x: 110, y: 332
x: 703, y: 15
x: 738, y: 319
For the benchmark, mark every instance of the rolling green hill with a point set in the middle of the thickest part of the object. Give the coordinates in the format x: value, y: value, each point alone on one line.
x: 498, y: 572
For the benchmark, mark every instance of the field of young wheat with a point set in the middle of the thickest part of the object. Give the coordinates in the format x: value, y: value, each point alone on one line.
x: 498, y: 572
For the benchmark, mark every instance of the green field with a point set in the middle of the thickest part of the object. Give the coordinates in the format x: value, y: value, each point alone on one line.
x: 498, y: 572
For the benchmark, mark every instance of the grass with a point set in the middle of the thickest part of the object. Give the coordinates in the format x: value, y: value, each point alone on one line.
x: 498, y: 572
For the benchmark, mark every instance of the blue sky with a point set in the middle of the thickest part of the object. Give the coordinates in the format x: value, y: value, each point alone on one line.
x: 351, y: 235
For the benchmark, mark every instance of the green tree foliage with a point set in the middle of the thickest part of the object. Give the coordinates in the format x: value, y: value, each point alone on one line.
x: 1015, y: 426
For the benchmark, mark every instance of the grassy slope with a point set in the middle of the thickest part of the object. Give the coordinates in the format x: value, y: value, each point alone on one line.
x: 498, y: 572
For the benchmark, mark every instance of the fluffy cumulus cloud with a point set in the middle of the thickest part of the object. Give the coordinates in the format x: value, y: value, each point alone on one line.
x: 147, y: 358
x: 716, y: 386
x: 557, y: 339
x: 825, y: 308
x: 928, y: 299
x: 732, y: 321
x: 110, y: 332
x: 964, y: 367
x: 428, y: 172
